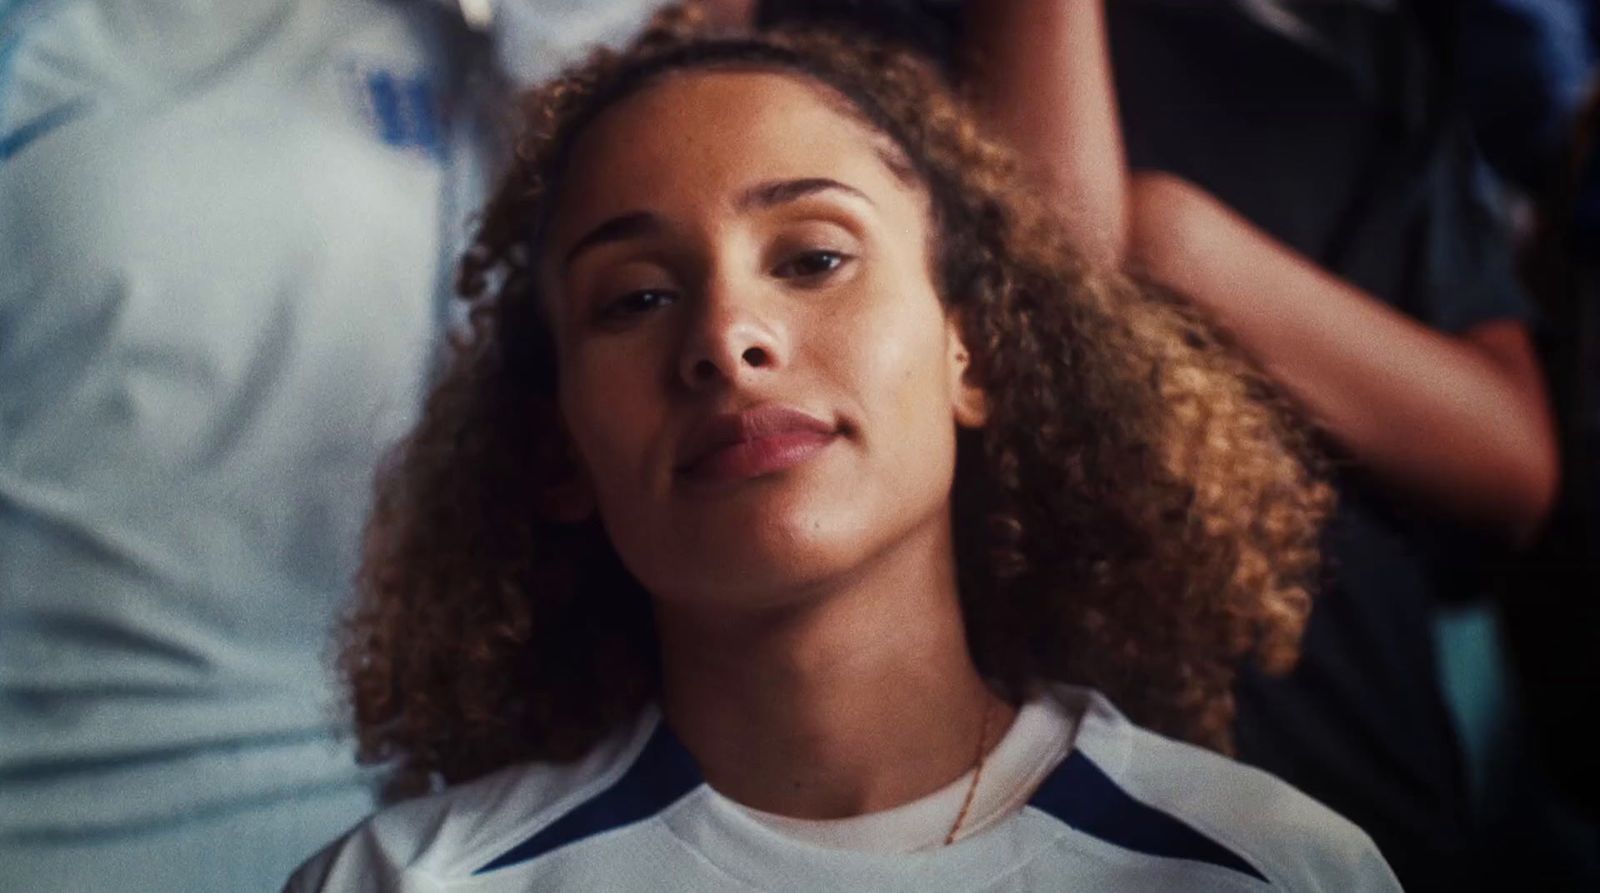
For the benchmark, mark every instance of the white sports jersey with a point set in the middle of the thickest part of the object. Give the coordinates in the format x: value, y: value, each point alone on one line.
x: 1125, y: 810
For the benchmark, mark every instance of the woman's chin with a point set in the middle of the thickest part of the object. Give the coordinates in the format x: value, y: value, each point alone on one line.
x: 766, y: 563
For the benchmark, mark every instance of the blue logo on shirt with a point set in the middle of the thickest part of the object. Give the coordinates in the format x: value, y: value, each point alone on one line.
x: 405, y: 110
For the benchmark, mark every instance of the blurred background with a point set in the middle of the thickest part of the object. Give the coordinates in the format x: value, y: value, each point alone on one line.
x: 227, y: 232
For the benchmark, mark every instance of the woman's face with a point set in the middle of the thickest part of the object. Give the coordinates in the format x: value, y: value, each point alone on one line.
x: 755, y: 367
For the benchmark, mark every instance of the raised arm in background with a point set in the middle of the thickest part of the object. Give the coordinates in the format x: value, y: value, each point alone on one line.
x: 1040, y: 74
x: 1460, y: 422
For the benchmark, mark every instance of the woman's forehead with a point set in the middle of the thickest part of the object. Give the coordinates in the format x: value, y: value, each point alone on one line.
x: 720, y: 129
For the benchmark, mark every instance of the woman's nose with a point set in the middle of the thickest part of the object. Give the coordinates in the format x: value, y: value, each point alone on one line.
x: 730, y: 338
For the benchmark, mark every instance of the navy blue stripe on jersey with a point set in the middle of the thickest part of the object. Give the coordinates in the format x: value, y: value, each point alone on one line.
x: 658, y: 778
x: 1080, y: 794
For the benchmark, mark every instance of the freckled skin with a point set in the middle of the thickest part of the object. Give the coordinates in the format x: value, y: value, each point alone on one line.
x: 863, y: 344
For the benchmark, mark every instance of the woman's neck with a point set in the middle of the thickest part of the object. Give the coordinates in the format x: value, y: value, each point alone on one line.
x: 858, y: 698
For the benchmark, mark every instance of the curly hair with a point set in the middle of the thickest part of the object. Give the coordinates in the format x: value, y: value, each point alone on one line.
x: 1140, y: 513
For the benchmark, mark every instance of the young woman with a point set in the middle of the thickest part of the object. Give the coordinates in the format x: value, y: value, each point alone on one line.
x: 793, y: 506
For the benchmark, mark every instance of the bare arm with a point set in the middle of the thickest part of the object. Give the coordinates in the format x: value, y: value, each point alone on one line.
x: 1040, y: 74
x: 1461, y: 422
x: 730, y: 14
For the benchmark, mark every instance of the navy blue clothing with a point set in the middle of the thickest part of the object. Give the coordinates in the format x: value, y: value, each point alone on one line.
x: 1526, y: 67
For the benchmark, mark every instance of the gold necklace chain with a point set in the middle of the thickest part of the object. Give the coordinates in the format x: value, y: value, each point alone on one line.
x: 977, y: 773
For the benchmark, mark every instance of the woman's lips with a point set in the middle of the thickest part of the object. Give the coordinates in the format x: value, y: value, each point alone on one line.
x: 756, y: 442
x: 762, y: 455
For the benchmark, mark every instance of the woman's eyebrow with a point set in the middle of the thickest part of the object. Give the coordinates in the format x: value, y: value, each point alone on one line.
x: 777, y: 192
x: 616, y: 229
x: 761, y: 195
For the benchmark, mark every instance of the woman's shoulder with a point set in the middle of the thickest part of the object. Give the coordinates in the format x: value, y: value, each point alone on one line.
x: 457, y: 832
x: 1165, y: 797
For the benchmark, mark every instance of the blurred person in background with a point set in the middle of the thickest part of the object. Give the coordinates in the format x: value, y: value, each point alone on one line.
x: 223, y: 226
x: 1527, y: 69
x: 1303, y: 173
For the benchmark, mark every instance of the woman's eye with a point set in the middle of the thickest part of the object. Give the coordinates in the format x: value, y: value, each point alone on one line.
x: 810, y: 263
x: 635, y: 303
